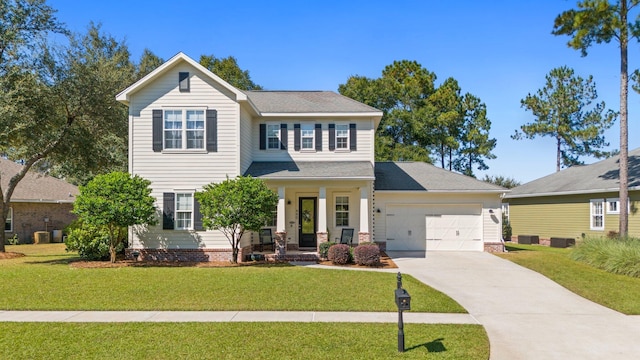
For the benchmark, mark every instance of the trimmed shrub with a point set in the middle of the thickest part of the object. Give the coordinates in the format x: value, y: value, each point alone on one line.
x: 367, y: 254
x: 91, y: 242
x: 324, y: 249
x: 339, y: 254
x: 506, y: 228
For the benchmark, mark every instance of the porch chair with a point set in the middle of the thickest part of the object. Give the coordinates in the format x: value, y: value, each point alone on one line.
x: 266, y: 239
x: 346, y: 237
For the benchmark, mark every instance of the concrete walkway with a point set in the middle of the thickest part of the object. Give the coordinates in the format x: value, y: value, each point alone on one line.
x: 526, y: 315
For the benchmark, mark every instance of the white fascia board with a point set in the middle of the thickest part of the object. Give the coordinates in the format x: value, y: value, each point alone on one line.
x: 324, y: 114
x: 442, y: 191
x: 42, y: 201
x: 573, y: 192
x: 125, y: 94
x: 318, y: 178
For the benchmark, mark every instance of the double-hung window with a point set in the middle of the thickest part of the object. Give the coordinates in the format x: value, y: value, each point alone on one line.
x: 342, y: 211
x: 180, y: 125
x: 273, y: 136
x: 597, y: 214
x: 8, y: 225
x: 184, y: 211
x: 505, y: 210
x: 307, y: 136
x: 342, y: 136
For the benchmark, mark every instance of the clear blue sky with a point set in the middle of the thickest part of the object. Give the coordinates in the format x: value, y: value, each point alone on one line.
x: 497, y: 50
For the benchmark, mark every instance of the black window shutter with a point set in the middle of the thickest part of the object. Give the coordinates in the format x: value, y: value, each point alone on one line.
x: 157, y: 130
x: 352, y: 137
x: 296, y: 137
x: 283, y: 136
x: 168, y: 208
x: 263, y: 136
x: 212, y: 130
x: 197, y: 216
x: 332, y: 137
x: 318, y: 134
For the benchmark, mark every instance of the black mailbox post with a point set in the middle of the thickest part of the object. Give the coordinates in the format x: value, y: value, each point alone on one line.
x: 403, y: 301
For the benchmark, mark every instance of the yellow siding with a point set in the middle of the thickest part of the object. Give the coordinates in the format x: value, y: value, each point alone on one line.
x: 566, y: 216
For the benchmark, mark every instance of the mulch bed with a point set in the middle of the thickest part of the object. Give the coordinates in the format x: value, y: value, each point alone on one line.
x: 10, y: 255
x: 385, y: 263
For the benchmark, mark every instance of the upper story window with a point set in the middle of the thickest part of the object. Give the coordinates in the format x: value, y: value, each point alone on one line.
x: 180, y: 125
x: 185, y: 129
x: 597, y: 214
x: 306, y: 133
x: 273, y: 136
x: 342, y: 136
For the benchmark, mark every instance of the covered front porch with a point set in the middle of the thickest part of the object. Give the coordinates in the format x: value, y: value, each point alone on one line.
x: 316, y: 202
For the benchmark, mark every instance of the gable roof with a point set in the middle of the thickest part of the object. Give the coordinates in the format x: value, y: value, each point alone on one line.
x: 125, y: 94
x: 310, y: 170
x: 420, y: 176
x: 602, y: 176
x: 36, y: 187
x: 284, y: 102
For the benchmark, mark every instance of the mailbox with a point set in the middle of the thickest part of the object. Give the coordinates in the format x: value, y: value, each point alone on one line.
x: 403, y: 300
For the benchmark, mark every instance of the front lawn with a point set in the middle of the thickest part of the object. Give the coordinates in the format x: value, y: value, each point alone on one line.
x: 239, y: 341
x: 44, y: 280
x: 618, y: 292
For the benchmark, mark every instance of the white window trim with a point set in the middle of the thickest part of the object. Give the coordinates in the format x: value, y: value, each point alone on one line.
x: 505, y: 210
x: 9, y: 217
x: 176, y: 211
x: 335, y: 211
x: 313, y: 137
x: 348, y: 146
x: 184, y: 130
x: 592, y: 214
x: 617, y: 201
x: 277, y: 125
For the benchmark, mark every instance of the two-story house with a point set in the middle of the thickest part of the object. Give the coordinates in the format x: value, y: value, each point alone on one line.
x: 315, y: 149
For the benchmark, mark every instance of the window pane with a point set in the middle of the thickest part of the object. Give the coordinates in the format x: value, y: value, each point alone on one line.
x: 173, y: 139
x: 184, y: 202
x: 273, y: 136
x: 195, y: 119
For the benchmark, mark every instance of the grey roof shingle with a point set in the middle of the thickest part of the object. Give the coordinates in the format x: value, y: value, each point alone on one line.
x: 289, y: 170
x: 36, y: 187
x: 306, y: 102
x: 419, y: 176
x: 602, y: 176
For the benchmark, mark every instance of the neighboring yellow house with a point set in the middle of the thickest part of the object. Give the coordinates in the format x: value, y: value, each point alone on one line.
x: 575, y: 202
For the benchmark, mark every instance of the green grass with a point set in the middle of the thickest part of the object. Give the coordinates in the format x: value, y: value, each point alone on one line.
x: 44, y: 280
x: 618, y: 292
x: 239, y: 341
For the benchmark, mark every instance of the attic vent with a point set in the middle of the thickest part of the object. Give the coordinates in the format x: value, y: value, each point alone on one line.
x: 183, y: 81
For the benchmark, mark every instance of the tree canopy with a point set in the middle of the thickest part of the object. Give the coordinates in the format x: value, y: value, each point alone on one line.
x: 562, y: 110
x: 422, y: 121
x: 113, y: 202
x: 229, y: 70
x: 601, y: 21
x: 235, y: 206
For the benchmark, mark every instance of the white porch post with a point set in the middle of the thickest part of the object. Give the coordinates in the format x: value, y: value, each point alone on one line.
x: 322, y: 210
x: 364, y: 233
x: 280, y: 224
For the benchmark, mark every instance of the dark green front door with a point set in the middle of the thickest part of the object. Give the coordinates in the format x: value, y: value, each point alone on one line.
x: 307, y: 221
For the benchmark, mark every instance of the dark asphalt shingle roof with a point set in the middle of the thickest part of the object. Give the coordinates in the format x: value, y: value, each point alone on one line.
x: 306, y: 102
x: 420, y: 176
x: 36, y: 187
x: 288, y: 170
x: 602, y: 176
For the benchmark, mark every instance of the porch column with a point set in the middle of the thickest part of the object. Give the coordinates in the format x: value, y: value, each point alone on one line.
x: 280, y: 223
x: 321, y: 234
x: 364, y: 234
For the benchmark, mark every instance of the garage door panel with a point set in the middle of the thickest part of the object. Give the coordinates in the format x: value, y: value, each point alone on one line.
x: 434, y: 227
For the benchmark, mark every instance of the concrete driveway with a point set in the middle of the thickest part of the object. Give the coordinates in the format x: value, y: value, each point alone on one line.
x: 526, y: 315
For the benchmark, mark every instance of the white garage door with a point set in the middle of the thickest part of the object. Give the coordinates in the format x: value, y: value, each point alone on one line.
x: 434, y: 227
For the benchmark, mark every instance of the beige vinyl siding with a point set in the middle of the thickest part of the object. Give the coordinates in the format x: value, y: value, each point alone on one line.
x: 568, y: 215
x: 364, y: 137
x: 245, y: 139
x: 491, y: 222
x: 188, y: 170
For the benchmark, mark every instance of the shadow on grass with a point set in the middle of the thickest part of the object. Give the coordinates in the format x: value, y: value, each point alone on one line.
x: 64, y: 261
x: 434, y: 346
x: 510, y: 248
x: 78, y: 262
